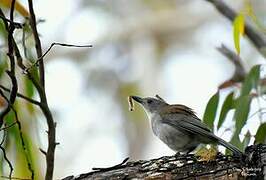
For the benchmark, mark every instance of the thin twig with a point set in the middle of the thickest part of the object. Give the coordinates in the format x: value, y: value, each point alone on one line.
x: 21, y: 96
x: 9, y: 126
x: 42, y: 151
x: 23, y: 144
x: 8, y: 162
x: 112, y: 167
x: 3, y: 139
x: 261, y: 111
x: 16, y: 178
x: 15, y: 24
x: 240, y: 73
x: 51, y: 46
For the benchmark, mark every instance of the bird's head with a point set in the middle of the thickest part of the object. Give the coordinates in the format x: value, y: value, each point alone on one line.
x: 151, y: 105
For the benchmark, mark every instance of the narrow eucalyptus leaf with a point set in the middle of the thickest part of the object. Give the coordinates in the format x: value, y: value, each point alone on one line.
x: 241, y: 113
x: 260, y: 136
x: 210, y: 111
x: 227, y: 105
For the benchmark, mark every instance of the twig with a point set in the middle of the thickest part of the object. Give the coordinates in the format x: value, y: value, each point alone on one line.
x: 21, y: 96
x: 23, y: 143
x: 8, y: 162
x: 3, y: 139
x: 240, y: 73
x: 3, y: 95
x: 42, y: 151
x: 16, y: 178
x: 7, y: 127
x: 51, y: 46
x: 255, y: 37
x: 112, y: 167
x: 15, y: 24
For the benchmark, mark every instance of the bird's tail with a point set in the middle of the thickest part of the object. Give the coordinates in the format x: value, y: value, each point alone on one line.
x: 234, y: 149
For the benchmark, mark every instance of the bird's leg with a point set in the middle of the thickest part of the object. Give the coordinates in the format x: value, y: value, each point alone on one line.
x: 178, y: 154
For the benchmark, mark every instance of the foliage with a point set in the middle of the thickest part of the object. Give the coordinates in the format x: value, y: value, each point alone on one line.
x: 209, y: 115
x: 240, y: 100
x: 238, y: 25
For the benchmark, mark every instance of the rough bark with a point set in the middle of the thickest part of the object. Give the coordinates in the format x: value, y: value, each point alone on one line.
x: 251, y: 166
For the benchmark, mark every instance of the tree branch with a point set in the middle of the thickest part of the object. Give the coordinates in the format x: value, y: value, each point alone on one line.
x: 11, y: 73
x: 187, y: 166
x: 51, y: 46
x: 44, y: 105
x: 239, y: 74
x: 38, y: 45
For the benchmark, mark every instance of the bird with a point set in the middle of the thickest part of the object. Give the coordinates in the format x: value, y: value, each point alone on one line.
x: 178, y: 126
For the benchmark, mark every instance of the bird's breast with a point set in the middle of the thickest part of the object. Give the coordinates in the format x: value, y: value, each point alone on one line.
x: 174, y: 138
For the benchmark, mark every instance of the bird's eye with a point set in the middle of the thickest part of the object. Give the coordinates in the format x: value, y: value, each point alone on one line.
x: 149, y: 101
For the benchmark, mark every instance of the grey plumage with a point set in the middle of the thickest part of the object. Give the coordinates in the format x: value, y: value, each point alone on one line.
x: 178, y: 126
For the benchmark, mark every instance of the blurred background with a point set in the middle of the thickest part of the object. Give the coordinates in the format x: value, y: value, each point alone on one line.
x: 140, y: 47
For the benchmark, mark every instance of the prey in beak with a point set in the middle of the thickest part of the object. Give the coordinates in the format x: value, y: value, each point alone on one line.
x: 137, y: 99
x: 131, y: 103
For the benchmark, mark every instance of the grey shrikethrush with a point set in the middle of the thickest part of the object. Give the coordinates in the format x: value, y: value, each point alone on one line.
x: 178, y: 126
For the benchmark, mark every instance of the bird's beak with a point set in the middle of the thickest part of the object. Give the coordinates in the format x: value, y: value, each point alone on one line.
x: 138, y: 99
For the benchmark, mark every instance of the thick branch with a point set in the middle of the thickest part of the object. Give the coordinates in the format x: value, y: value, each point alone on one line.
x: 251, y: 165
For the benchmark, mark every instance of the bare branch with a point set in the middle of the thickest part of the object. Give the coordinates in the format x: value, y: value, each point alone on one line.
x: 38, y: 45
x: 11, y: 73
x: 112, y: 167
x: 51, y: 46
x: 15, y: 24
x: 42, y: 151
x: 8, y: 162
x: 9, y: 126
x: 15, y: 178
x: 240, y: 73
x: 23, y: 144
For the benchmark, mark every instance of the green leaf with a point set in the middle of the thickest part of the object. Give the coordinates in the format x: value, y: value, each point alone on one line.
x: 260, y: 136
x: 3, y: 63
x: 29, y: 92
x: 227, y: 105
x: 246, y: 140
x: 29, y: 88
x: 241, y: 113
x: 210, y: 111
x: 251, y: 80
x: 238, y: 29
x: 236, y: 142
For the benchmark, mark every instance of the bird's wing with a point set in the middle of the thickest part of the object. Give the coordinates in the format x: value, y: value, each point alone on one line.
x: 185, y: 123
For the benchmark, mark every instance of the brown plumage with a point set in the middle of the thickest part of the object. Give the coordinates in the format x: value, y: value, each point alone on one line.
x: 178, y: 109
